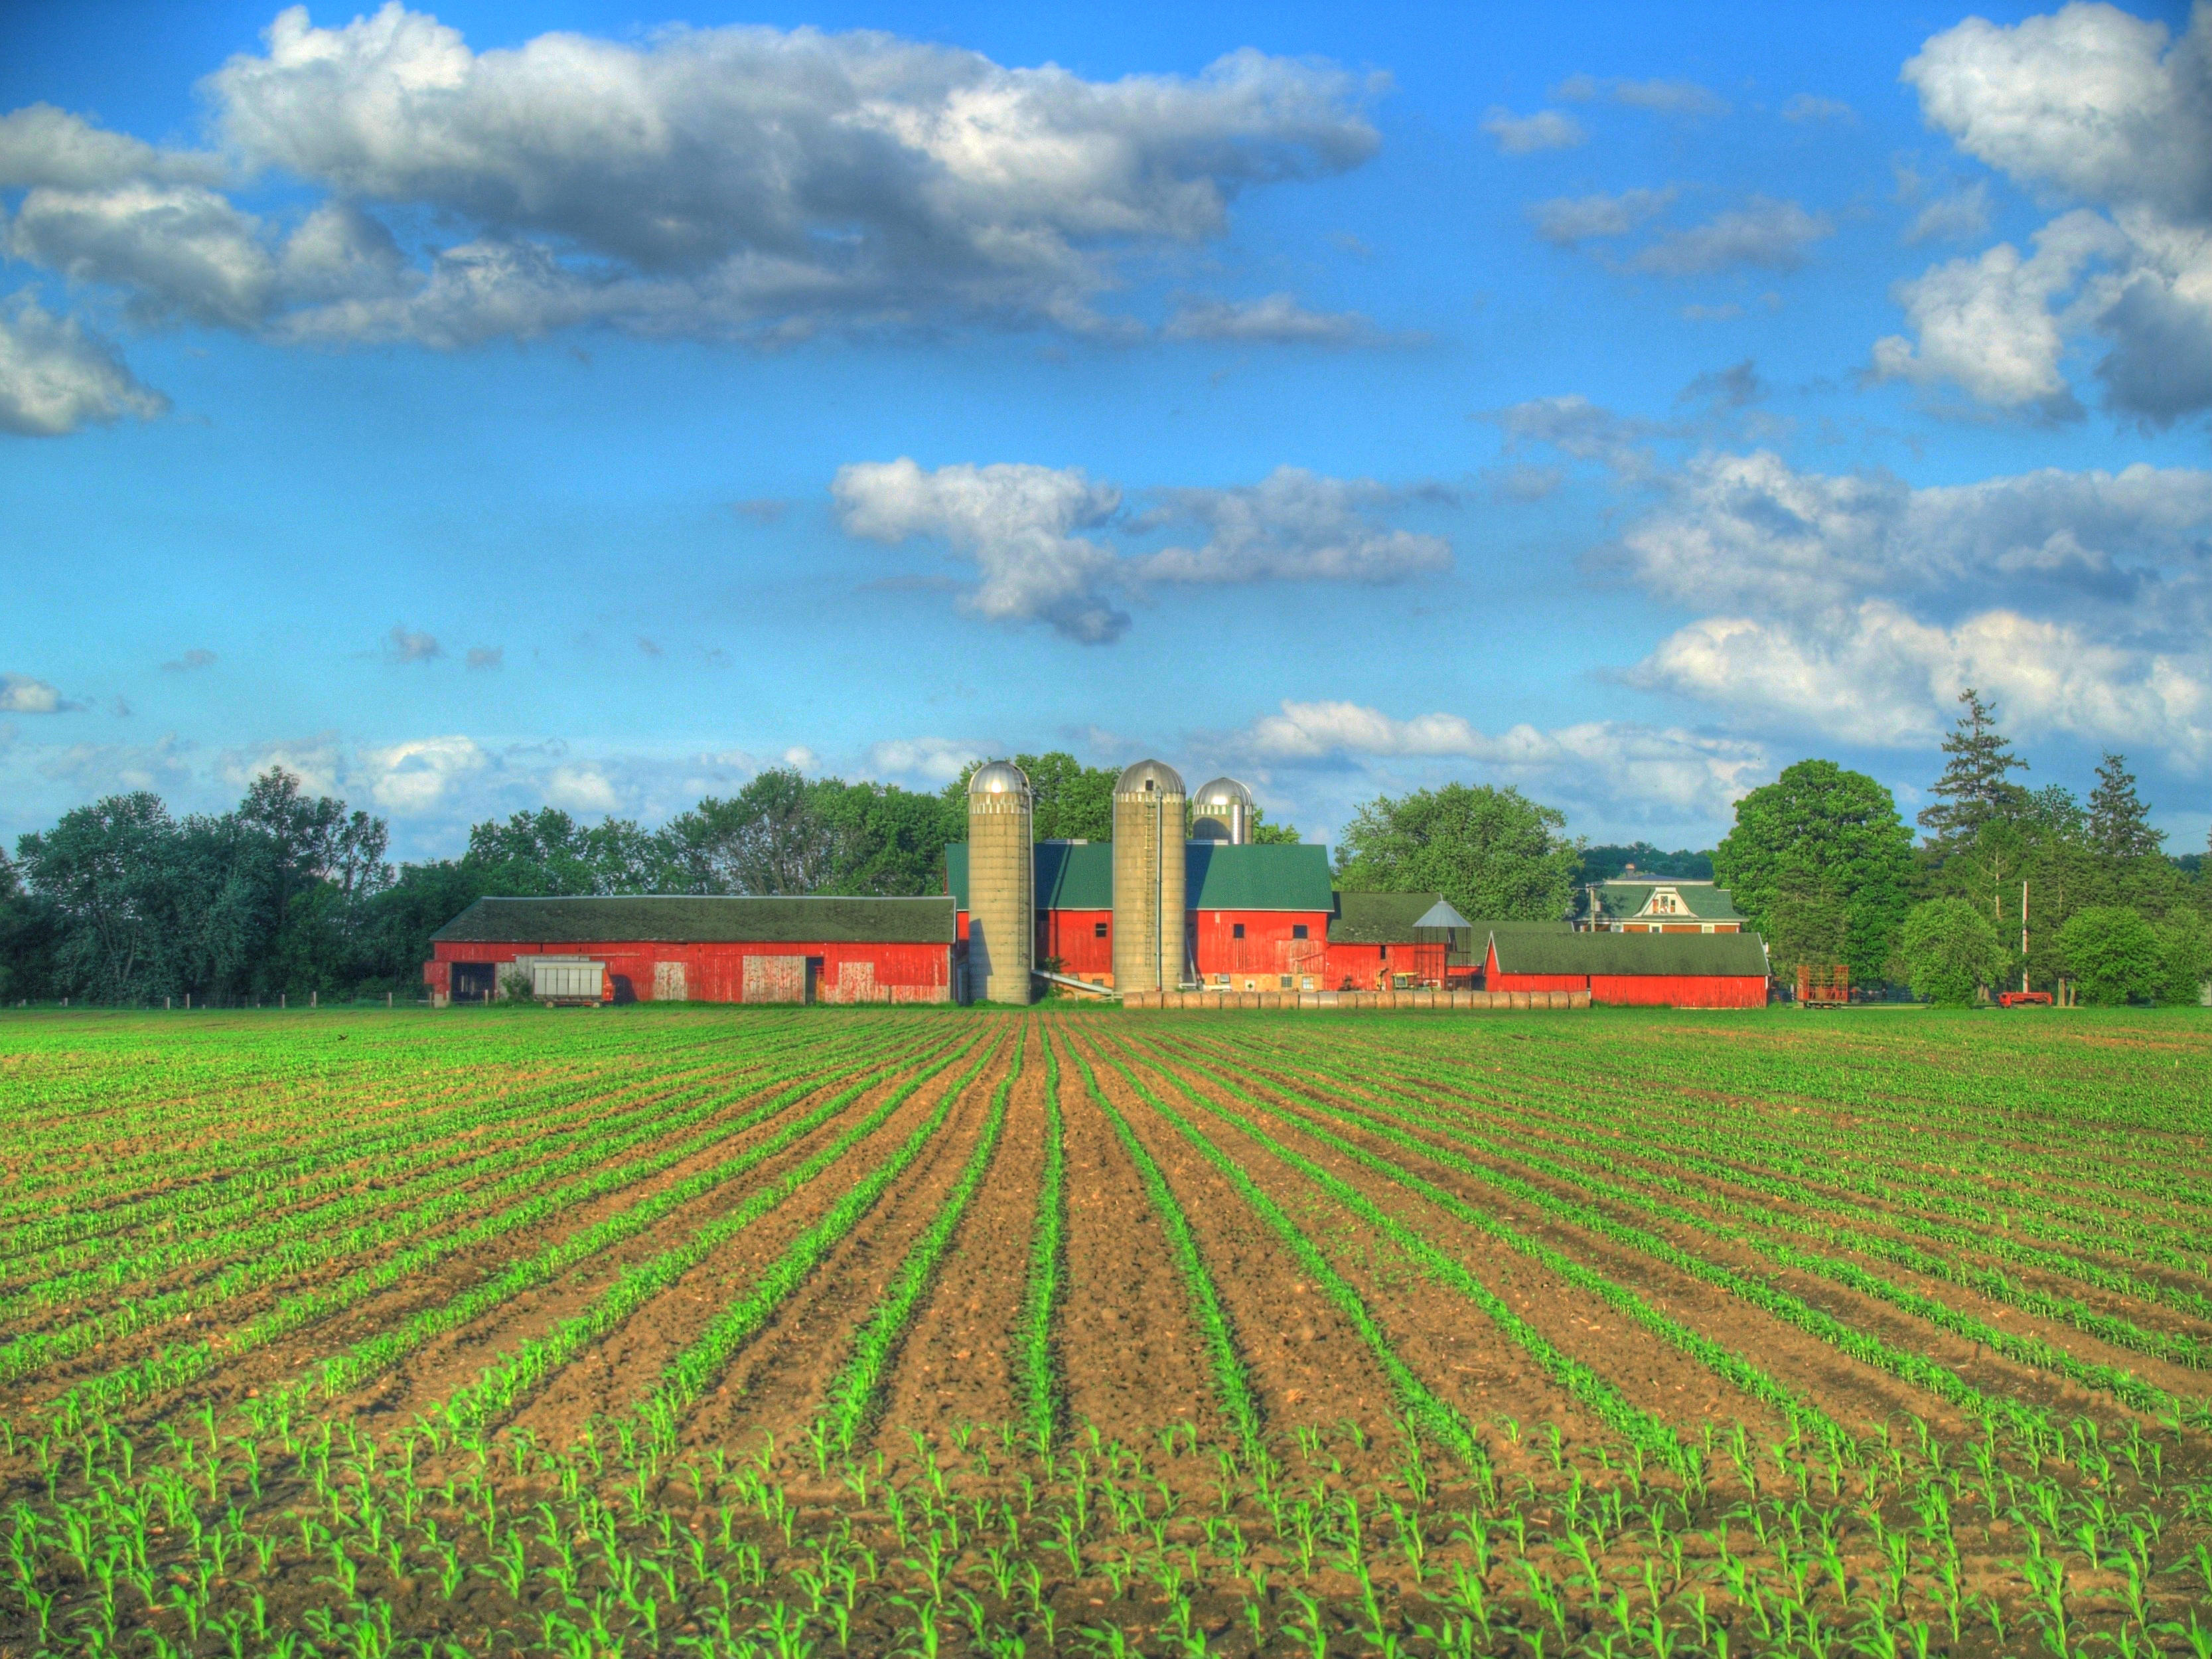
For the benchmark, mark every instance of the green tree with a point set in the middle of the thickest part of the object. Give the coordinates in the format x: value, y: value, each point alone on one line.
x: 2119, y: 822
x: 2185, y: 958
x: 1492, y: 852
x: 772, y: 836
x: 1821, y: 863
x: 2112, y: 953
x: 1948, y: 951
x: 1975, y: 787
x: 1613, y: 861
x: 548, y: 854
x: 1265, y: 834
x: 888, y: 840
x: 27, y: 939
x: 106, y: 870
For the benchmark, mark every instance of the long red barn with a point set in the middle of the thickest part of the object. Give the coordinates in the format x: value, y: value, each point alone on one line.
x: 1664, y: 970
x: 827, y: 949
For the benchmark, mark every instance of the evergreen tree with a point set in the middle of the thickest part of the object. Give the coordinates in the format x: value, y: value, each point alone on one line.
x: 1973, y: 789
x: 2119, y: 822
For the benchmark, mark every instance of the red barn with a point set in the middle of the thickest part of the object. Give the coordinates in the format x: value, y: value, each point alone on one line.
x: 1376, y: 942
x: 1666, y: 970
x: 827, y: 949
x: 1252, y: 913
x: 1258, y: 915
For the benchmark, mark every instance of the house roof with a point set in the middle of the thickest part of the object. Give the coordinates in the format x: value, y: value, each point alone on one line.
x: 1079, y: 875
x: 1285, y: 875
x: 702, y: 920
x: 1390, y: 919
x: 1729, y: 954
x: 1702, y: 899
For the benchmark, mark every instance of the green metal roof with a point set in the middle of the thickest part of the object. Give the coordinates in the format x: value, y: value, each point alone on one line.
x: 1079, y: 875
x: 1741, y: 954
x: 1701, y: 900
x: 1389, y: 918
x: 702, y: 920
x: 1287, y: 875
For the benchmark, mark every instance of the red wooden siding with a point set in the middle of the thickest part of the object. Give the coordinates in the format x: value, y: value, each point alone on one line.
x: 850, y: 973
x: 1073, y: 936
x: 1268, y: 949
x: 1639, y: 990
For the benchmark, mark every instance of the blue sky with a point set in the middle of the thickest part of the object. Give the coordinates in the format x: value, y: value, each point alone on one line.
x: 575, y: 403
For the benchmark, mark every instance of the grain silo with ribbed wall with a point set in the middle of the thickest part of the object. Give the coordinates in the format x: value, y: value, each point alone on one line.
x: 1001, y: 886
x: 1222, y: 811
x: 1148, y: 878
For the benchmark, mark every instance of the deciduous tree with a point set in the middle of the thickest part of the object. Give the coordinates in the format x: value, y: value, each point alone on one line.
x: 1494, y: 853
x: 1949, y: 952
x: 1822, y: 864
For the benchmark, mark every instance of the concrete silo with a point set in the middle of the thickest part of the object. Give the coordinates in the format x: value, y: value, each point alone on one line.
x: 1222, y: 811
x: 1148, y: 878
x: 1001, y: 886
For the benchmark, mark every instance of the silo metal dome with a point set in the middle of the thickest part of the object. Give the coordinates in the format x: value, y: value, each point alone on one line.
x: 1223, y: 792
x: 1000, y: 778
x: 1156, y: 775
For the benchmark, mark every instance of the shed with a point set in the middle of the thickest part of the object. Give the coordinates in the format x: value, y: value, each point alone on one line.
x: 1378, y: 936
x: 1672, y: 970
x: 825, y: 947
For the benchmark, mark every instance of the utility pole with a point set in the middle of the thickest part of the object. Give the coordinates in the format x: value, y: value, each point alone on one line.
x: 2023, y: 933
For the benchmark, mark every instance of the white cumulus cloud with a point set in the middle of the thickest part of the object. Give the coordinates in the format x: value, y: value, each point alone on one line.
x: 1293, y: 525
x: 2112, y: 111
x: 22, y: 693
x: 411, y: 777
x: 1275, y: 320
x: 1524, y: 135
x: 56, y: 377
x: 1018, y: 523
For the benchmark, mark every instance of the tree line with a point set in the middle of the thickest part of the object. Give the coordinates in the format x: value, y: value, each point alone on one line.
x: 1822, y: 863
x: 123, y: 902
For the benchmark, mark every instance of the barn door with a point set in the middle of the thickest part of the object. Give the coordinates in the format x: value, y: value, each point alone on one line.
x: 813, y: 979
x: 670, y: 983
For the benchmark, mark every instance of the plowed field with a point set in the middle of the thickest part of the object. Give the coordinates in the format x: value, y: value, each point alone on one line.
x: 828, y: 1331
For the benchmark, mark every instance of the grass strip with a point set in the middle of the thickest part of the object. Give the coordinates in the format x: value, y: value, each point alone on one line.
x: 1231, y: 1383
x: 1723, y: 1362
x: 501, y: 1388
x: 852, y: 1396
x: 1040, y: 1384
x: 1421, y: 1404
x: 687, y: 1374
x: 175, y: 1366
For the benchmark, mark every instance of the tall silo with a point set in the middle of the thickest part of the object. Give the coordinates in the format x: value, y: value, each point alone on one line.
x: 1222, y: 811
x: 1001, y: 885
x: 1148, y: 878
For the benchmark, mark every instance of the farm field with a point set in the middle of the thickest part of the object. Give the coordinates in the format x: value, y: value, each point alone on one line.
x: 816, y: 1332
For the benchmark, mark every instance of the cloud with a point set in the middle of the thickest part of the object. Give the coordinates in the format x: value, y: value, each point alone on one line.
x: 2104, y: 105
x: 197, y: 658
x: 649, y: 647
x: 1811, y: 107
x: 1679, y: 772
x: 318, y: 762
x: 1294, y: 526
x: 180, y: 252
x: 733, y: 182
x: 1575, y: 426
x: 1566, y: 221
x: 764, y: 511
x: 581, y: 789
x: 482, y: 658
x: 403, y: 645
x: 1670, y: 97
x: 98, y: 769
x: 42, y: 145
x: 1860, y: 605
x: 56, y: 378
x: 1737, y: 386
x: 1018, y: 523
x: 1875, y: 673
x: 933, y: 760
x: 1986, y: 323
x: 1953, y: 218
x: 2112, y: 111
x: 1769, y: 234
x: 20, y: 693
x: 1524, y: 135
x: 412, y: 777
x: 1276, y: 319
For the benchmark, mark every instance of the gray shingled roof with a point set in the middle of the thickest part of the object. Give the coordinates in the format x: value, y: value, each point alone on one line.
x: 1702, y: 900
x: 1389, y: 918
x: 700, y: 920
x: 1735, y: 954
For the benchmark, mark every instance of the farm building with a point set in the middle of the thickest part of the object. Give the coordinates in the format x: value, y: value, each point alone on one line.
x: 1377, y: 939
x: 1249, y: 912
x: 1669, y: 970
x: 700, y: 949
x: 1663, y: 906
